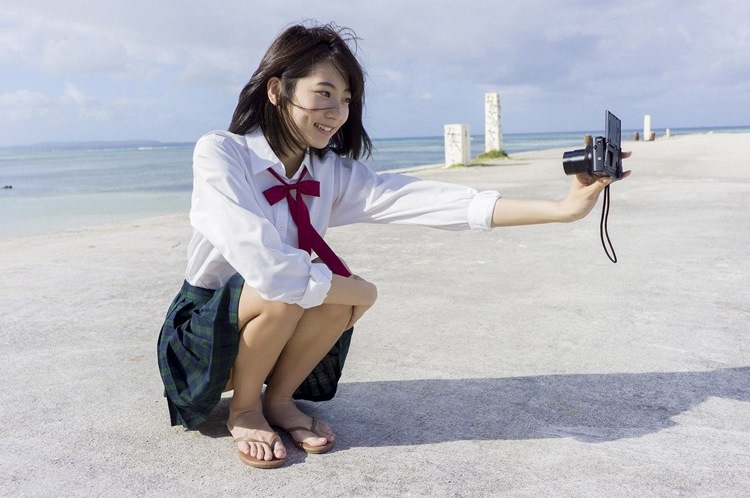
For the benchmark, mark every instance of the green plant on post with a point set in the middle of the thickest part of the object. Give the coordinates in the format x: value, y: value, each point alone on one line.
x: 491, y: 155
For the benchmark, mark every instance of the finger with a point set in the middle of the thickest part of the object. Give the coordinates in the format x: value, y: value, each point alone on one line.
x: 351, y: 322
x: 624, y: 175
x: 626, y: 154
x: 604, y: 183
x: 598, y: 184
x: 356, y: 315
x: 585, y: 179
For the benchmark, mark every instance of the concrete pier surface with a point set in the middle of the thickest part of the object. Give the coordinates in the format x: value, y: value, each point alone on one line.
x: 519, y: 362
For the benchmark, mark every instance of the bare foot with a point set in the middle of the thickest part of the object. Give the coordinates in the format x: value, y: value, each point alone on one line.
x: 285, y: 414
x: 253, y: 426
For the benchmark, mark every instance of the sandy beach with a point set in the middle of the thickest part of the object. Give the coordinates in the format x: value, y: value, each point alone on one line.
x: 519, y: 362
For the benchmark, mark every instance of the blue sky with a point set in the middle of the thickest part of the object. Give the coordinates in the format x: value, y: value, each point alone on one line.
x: 80, y: 70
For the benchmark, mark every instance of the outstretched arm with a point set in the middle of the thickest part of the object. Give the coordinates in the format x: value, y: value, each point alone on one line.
x: 581, y: 199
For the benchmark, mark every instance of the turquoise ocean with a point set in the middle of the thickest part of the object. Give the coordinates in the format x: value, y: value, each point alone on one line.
x: 47, y: 188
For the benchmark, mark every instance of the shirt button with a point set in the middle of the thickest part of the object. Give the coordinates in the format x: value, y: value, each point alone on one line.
x: 281, y: 227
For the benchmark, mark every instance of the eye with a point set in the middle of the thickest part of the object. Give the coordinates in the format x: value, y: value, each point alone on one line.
x: 325, y: 93
x: 347, y: 100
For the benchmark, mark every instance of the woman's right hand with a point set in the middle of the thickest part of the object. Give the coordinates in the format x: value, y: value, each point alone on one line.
x: 357, y: 313
x: 359, y: 310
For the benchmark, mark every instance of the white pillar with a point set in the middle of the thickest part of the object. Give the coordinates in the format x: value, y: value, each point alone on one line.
x: 493, y: 131
x: 647, y: 127
x: 457, y: 145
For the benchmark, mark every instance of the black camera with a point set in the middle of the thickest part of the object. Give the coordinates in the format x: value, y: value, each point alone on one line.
x: 600, y: 158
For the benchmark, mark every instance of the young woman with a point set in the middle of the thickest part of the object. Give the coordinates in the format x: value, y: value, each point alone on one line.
x: 256, y: 308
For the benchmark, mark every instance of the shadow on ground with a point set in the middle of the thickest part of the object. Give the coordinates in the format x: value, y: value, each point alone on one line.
x: 587, y: 407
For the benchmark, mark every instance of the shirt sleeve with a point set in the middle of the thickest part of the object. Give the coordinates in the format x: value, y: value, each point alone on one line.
x: 364, y: 196
x: 226, y: 211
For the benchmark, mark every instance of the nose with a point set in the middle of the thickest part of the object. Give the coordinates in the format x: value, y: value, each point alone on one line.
x: 338, y: 111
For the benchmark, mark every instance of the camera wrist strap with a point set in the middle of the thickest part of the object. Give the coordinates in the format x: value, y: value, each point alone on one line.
x: 603, y: 231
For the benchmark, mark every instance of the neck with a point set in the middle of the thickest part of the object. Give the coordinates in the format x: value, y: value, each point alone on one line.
x: 292, y: 162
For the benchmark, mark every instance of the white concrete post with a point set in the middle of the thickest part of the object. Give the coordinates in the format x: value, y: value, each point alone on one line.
x: 647, y: 127
x: 493, y: 131
x: 457, y: 145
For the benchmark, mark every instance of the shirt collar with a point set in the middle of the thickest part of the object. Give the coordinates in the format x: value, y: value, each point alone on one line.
x: 267, y: 158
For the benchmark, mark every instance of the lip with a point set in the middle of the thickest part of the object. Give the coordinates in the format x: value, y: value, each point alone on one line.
x: 328, y: 130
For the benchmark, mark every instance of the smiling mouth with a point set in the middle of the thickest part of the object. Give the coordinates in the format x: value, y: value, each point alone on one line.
x: 327, y: 129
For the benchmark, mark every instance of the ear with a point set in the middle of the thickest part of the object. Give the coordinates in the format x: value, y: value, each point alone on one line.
x: 274, y: 90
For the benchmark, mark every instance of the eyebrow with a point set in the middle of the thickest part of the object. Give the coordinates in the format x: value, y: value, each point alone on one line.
x: 331, y: 85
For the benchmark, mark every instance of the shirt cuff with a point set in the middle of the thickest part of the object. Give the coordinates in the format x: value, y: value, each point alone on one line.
x: 317, y: 287
x: 481, y: 208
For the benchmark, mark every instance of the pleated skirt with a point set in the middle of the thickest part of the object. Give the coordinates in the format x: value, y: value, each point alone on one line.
x: 198, y: 345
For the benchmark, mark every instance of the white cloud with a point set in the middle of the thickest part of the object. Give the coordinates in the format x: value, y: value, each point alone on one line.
x: 427, y: 60
x: 65, y: 46
x: 82, y: 54
x: 26, y: 106
x: 73, y: 96
x: 22, y: 106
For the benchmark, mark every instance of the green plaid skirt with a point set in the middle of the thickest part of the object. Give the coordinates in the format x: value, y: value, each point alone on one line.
x: 197, y: 347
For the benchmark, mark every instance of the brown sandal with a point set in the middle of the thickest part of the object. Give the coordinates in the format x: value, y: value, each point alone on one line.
x: 256, y: 462
x: 315, y: 450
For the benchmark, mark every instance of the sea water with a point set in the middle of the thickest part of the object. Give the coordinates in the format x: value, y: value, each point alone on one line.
x: 48, y: 188
x: 60, y: 190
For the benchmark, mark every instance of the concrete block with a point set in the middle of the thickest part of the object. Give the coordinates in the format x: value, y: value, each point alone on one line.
x: 493, y: 131
x: 457, y: 144
x: 647, y: 127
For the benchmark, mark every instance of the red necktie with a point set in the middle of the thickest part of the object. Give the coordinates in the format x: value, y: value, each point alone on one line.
x: 308, y: 239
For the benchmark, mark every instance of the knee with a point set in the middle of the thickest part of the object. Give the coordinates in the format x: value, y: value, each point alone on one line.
x: 280, y: 312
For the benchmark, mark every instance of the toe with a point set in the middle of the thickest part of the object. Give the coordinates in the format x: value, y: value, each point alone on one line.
x: 279, y: 451
x: 243, y: 447
x: 320, y: 441
x: 322, y: 429
x: 311, y: 439
x: 316, y: 441
x: 264, y: 452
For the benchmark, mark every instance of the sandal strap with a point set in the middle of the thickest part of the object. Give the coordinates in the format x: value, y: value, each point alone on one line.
x: 306, y: 429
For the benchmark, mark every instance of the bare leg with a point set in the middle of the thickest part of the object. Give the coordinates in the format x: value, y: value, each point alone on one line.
x: 280, y: 345
x: 316, y: 333
x: 265, y: 330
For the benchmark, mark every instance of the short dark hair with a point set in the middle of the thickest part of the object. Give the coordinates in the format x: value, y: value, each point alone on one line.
x: 293, y: 55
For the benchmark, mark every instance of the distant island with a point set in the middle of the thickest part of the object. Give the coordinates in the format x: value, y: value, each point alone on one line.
x: 93, y: 145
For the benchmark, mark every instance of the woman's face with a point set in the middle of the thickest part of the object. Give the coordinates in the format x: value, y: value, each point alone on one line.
x: 320, y: 104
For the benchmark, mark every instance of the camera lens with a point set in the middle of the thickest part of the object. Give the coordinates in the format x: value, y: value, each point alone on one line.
x: 576, y: 162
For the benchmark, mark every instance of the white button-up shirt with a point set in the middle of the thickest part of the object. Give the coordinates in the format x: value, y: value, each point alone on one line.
x: 235, y: 230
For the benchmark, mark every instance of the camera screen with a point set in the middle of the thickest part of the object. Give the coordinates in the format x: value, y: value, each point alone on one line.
x: 612, y: 129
